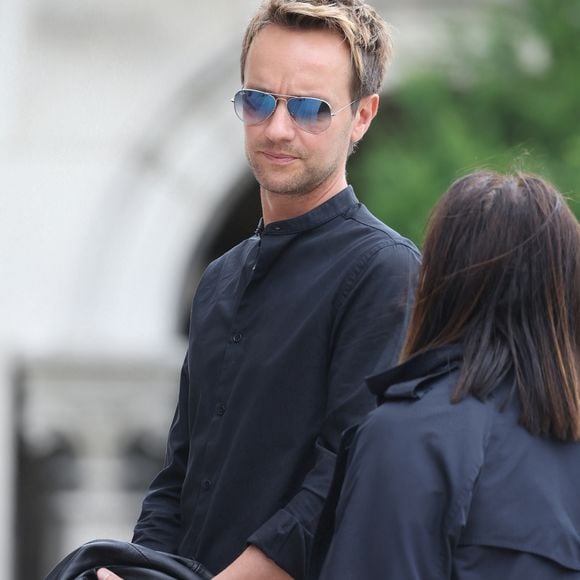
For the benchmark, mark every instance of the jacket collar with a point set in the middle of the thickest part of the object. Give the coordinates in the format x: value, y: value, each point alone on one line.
x: 409, y: 379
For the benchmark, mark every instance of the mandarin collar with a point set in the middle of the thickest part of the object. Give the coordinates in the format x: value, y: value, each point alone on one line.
x: 338, y: 204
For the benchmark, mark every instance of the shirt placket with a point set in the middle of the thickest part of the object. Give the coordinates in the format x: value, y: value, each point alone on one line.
x: 233, y: 354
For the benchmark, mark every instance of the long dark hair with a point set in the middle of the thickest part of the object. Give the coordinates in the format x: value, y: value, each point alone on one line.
x: 501, y: 275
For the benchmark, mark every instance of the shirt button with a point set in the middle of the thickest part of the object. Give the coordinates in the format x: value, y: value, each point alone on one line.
x: 220, y: 410
x: 238, y: 337
x: 206, y: 485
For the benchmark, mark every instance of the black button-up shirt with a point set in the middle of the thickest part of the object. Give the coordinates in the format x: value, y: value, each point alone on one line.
x: 284, y: 329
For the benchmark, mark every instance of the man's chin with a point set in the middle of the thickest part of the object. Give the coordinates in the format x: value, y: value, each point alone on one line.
x: 281, y: 186
x: 280, y: 189
x: 288, y: 187
x: 291, y: 182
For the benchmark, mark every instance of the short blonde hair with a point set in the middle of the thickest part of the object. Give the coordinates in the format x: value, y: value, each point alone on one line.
x: 365, y: 31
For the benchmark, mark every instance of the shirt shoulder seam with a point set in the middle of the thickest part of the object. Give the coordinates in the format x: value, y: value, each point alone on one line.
x: 362, y: 263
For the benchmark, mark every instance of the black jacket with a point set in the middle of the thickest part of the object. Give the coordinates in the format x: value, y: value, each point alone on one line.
x: 435, y: 491
x: 129, y: 561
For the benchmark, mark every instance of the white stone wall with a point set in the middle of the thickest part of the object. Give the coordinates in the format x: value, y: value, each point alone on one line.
x: 85, y: 83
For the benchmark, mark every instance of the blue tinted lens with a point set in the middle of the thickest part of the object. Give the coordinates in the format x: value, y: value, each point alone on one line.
x: 253, y: 107
x: 310, y: 114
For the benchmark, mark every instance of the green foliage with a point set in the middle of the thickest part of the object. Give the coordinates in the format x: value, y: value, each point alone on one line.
x: 512, y: 104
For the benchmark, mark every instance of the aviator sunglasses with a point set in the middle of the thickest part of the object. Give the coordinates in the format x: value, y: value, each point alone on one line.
x: 309, y: 113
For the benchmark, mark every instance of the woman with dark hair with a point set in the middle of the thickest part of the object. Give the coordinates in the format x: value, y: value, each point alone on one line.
x: 469, y: 469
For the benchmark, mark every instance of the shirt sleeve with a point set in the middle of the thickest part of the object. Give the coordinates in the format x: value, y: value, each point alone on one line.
x: 407, y: 489
x: 372, y: 308
x: 159, y: 525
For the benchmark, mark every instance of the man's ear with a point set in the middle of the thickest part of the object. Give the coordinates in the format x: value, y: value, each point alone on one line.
x: 367, y: 111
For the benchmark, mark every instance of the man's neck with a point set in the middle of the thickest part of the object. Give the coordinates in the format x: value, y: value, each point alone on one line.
x: 279, y: 207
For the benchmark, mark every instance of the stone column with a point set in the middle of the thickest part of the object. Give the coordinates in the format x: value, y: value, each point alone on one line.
x: 95, y: 414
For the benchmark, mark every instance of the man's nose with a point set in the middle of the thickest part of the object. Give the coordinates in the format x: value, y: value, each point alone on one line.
x: 280, y: 124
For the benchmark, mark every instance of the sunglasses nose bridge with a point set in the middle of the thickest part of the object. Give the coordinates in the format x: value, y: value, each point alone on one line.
x: 278, y: 99
x: 287, y: 113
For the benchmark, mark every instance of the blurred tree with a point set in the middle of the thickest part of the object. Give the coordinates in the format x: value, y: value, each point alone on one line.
x: 508, y: 100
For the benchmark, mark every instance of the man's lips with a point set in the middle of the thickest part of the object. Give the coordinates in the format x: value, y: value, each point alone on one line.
x: 278, y: 158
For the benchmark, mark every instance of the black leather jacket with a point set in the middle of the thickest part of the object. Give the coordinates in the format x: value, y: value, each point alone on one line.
x: 129, y: 561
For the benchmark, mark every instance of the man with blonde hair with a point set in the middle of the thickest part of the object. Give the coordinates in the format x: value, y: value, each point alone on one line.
x: 285, y: 326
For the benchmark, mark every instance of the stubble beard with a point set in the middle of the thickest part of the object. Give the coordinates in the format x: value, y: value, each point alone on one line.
x: 289, y: 181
